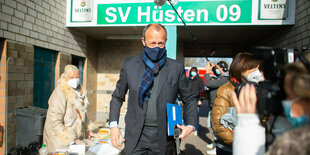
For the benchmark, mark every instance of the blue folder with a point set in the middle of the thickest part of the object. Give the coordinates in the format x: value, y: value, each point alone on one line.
x: 174, y: 116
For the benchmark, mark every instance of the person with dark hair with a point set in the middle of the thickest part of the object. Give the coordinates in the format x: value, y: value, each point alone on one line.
x: 250, y: 134
x: 213, y: 83
x: 197, y: 86
x: 241, y: 69
x: 153, y: 80
x: 195, y: 83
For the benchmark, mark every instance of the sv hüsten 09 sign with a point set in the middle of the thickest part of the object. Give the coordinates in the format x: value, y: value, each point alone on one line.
x: 196, y: 12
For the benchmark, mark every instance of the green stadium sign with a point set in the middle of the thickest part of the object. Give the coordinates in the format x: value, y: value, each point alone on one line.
x: 110, y: 13
x: 193, y: 13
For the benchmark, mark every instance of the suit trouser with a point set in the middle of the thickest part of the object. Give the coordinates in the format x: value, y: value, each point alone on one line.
x: 149, y: 143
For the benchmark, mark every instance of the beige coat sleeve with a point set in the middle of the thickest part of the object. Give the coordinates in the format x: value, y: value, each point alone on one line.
x: 220, y: 107
x: 56, y: 112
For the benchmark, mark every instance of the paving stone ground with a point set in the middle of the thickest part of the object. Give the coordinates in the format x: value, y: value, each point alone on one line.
x: 197, y: 145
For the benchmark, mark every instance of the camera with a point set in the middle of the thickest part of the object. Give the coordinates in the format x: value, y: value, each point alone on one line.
x: 269, y: 92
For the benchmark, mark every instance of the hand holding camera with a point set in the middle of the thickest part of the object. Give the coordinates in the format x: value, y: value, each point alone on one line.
x: 246, y: 104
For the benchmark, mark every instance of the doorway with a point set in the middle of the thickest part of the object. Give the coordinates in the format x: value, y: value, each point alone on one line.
x: 44, y: 76
x: 79, y: 63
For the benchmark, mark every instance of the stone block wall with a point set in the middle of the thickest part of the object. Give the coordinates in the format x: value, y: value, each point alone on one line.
x: 20, y: 83
x: 41, y: 23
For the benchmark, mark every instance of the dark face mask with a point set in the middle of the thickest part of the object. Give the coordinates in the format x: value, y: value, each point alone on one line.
x: 155, y: 54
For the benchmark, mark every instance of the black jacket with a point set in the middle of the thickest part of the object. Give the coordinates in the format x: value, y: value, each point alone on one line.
x: 172, y: 81
x: 197, y: 86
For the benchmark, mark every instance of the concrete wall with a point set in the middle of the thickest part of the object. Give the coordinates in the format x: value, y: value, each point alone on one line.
x: 296, y: 36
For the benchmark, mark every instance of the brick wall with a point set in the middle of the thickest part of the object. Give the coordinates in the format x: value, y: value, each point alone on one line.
x: 20, y: 83
x: 296, y: 36
x: 110, y: 61
x: 40, y: 23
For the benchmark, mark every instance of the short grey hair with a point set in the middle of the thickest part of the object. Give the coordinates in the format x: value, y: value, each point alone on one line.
x: 158, y: 27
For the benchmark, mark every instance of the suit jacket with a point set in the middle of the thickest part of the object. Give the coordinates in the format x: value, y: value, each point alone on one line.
x: 172, y: 81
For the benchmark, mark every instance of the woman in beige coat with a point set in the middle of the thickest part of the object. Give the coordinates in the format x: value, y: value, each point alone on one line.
x: 66, y: 113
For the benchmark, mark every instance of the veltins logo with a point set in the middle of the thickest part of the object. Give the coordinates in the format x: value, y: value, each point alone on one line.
x: 83, y: 3
x: 274, y: 0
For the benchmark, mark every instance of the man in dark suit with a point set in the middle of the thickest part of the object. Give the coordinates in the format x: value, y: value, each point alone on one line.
x: 153, y: 81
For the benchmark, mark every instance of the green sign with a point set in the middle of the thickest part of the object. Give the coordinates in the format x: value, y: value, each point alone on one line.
x: 193, y: 13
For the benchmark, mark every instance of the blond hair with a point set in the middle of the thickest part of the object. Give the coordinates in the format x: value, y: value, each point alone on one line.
x: 69, y: 68
x: 301, y: 85
x: 301, y: 77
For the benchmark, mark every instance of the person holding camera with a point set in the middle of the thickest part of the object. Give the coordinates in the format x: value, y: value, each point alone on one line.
x: 220, y: 70
x: 250, y: 134
x: 243, y: 68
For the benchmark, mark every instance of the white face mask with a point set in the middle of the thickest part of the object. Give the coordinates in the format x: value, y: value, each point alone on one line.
x: 255, y: 76
x: 193, y: 73
x: 74, y: 83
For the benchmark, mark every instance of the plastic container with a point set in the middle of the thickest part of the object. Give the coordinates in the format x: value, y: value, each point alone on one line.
x: 30, y: 125
x: 43, y: 150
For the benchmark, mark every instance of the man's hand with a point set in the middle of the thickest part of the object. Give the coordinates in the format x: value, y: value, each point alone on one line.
x: 115, y: 137
x: 247, y: 100
x: 199, y: 103
x: 209, y: 67
x: 185, y: 131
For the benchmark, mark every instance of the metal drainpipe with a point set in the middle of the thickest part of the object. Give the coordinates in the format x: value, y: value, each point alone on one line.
x: 6, y: 104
